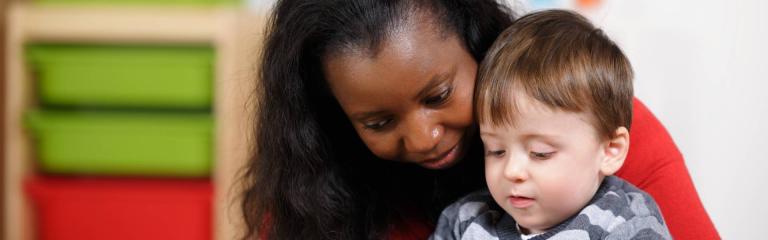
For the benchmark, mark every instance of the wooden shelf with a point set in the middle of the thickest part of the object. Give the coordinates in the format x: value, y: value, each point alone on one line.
x: 119, y: 24
x: 234, y: 34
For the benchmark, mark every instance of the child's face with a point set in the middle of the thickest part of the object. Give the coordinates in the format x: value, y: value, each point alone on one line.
x: 546, y: 167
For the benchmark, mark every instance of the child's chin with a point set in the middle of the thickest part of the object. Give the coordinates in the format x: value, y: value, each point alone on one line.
x: 530, y: 224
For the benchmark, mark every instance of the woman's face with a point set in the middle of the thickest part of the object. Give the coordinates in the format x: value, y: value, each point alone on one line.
x: 412, y: 100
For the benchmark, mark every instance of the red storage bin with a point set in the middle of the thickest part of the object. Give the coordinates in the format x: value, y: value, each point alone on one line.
x: 83, y: 209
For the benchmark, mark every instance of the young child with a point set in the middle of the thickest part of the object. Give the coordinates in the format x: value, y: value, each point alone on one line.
x: 554, y: 103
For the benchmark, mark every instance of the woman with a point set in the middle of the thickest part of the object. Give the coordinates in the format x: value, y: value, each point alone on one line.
x: 365, y: 129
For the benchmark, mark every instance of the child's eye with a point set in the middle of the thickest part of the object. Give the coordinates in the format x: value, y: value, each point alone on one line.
x: 377, y: 125
x: 495, y: 153
x: 541, y: 155
x: 440, y: 98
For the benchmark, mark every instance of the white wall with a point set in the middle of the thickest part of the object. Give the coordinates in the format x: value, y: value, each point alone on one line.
x: 700, y: 67
x: 261, y: 5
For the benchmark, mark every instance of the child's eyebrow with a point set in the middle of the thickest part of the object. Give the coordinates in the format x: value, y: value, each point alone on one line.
x: 488, y: 133
x: 436, y: 80
x: 549, y: 138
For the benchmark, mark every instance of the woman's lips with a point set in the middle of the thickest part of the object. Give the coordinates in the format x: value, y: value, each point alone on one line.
x: 520, y: 202
x: 445, y: 161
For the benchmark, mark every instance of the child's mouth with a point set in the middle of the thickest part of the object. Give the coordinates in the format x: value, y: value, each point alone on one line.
x: 520, y: 202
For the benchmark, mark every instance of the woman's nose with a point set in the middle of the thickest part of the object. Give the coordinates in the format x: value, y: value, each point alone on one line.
x: 421, y: 135
x: 516, y: 170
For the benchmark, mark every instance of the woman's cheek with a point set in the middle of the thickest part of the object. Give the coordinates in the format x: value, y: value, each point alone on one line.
x: 464, y: 99
x: 380, y: 144
x: 461, y: 109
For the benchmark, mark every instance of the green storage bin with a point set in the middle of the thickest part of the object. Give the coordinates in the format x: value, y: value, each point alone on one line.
x: 132, y: 77
x: 123, y: 144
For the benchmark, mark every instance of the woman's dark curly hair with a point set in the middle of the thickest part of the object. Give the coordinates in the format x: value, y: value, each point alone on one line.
x: 311, y: 177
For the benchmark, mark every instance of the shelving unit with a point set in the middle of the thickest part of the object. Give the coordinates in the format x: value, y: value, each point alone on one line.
x: 233, y: 33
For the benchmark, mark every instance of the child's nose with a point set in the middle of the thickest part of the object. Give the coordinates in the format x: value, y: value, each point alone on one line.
x: 516, y: 170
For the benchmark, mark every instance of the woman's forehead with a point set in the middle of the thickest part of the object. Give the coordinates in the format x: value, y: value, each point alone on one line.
x: 404, y: 64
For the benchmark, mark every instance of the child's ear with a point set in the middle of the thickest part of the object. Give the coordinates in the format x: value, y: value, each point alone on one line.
x: 615, y: 151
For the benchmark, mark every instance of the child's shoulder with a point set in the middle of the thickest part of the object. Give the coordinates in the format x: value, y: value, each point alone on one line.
x: 621, y: 209
x: 471, y: 206
x: 475, y: 213
x: 627, y: 200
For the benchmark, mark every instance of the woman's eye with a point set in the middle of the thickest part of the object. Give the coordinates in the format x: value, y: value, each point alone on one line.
x: 495, y: 153
x: 541, y: 155
x: 377, y: 125
x: 440, y: 98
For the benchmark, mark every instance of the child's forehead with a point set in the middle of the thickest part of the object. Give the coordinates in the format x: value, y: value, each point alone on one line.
x: 525, y: 110
x: 510, y: 108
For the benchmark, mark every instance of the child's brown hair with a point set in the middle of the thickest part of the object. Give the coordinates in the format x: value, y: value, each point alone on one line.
x: 560, y: 59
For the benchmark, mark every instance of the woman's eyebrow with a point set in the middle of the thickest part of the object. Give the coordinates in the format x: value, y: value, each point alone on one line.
x: 436, y: 80
x: 366, y: 115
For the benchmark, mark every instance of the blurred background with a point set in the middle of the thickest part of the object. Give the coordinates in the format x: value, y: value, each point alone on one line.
x: 124, y: 119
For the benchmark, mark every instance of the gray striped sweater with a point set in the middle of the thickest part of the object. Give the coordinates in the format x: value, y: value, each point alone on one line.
x: 618, y: 210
